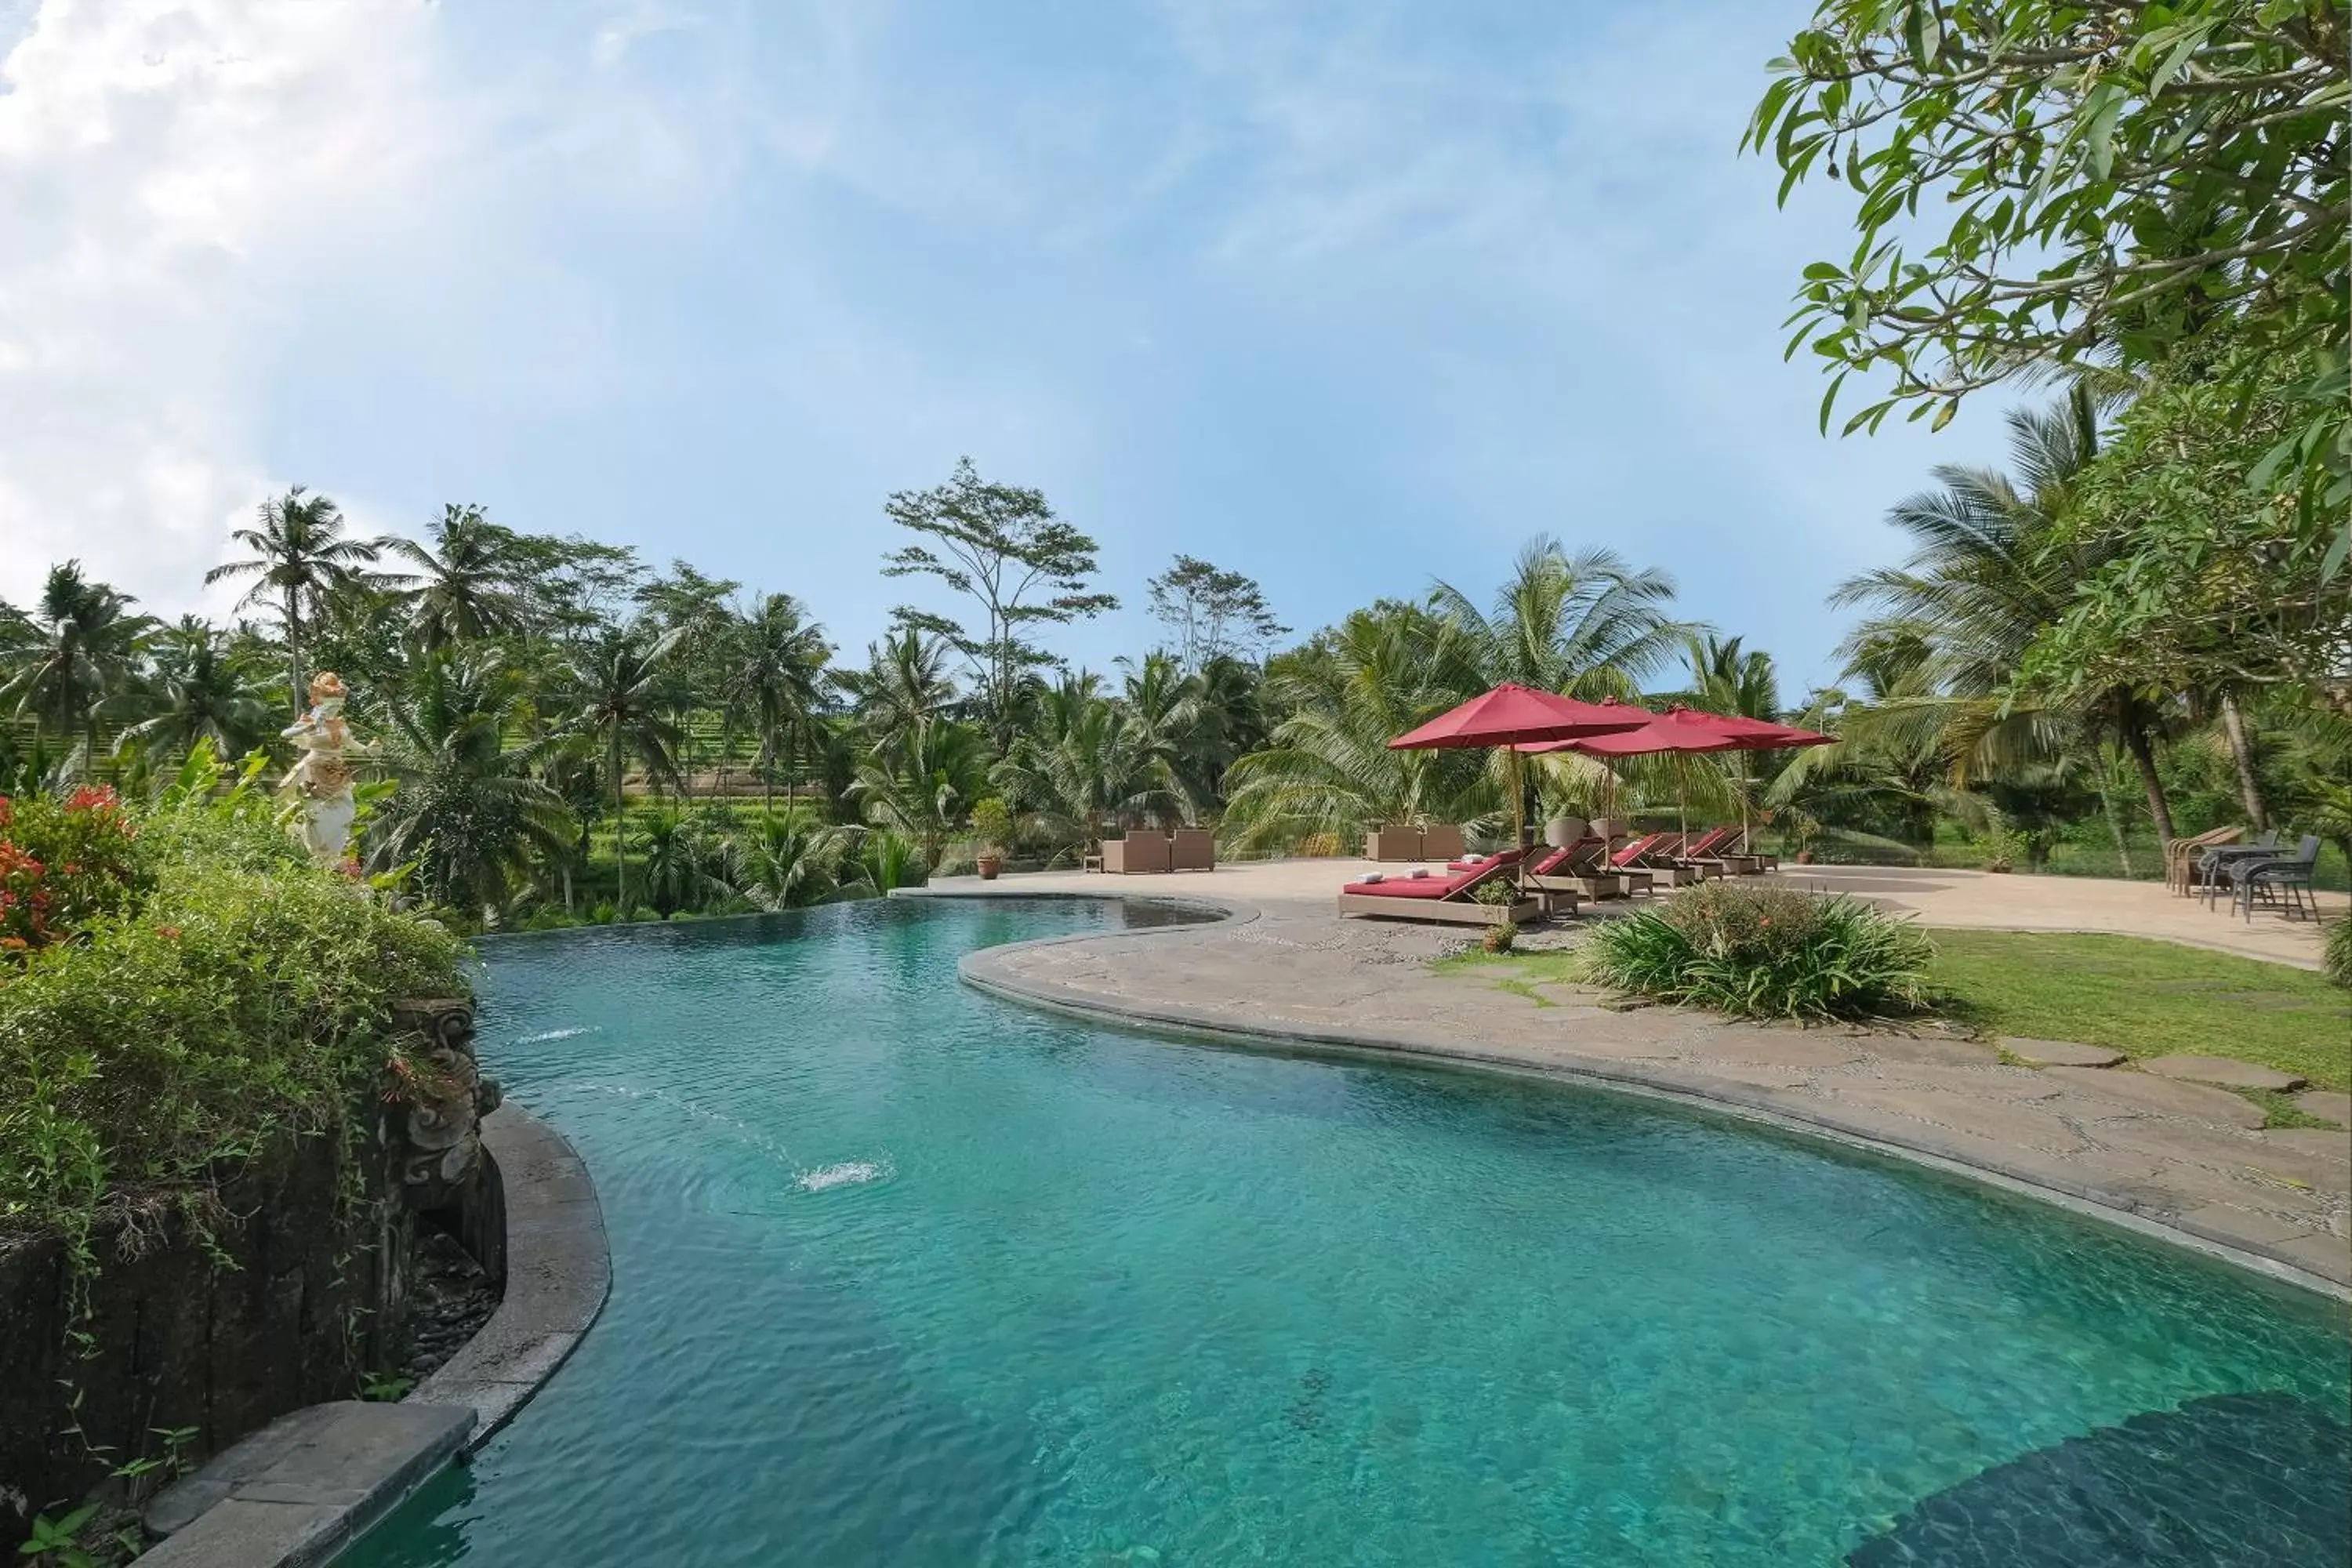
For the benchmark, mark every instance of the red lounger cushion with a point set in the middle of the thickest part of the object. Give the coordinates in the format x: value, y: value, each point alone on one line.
x: 1634, y: 851
x: 1406, y: 888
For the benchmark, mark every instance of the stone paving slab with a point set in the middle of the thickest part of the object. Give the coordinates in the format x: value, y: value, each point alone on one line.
x: 1287, y: 969
x: 2059, y: 1053
x: 2229, y: 1074
x: 2142, y: 1092
x: 2327, y: 1105
x: 295, y: 1491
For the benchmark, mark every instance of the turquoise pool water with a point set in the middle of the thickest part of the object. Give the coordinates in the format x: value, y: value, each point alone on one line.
x: 907, y: 1275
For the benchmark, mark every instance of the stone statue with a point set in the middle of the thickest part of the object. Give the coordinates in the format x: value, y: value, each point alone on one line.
x: 444, y: 1098
x: 322, y: 774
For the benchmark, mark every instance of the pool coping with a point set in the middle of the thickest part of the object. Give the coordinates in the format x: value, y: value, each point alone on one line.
x: 298, y: 1491
x: 558, y: 1276
x: 986, y: 970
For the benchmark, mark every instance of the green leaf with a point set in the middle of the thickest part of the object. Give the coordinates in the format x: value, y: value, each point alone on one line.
x: 2334, y: 561
x: 1829, y: 399
x: 2104, y: 104
x: 1944, y: 416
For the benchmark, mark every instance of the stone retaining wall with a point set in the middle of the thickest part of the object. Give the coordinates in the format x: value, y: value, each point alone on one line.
x: 301, y: 1300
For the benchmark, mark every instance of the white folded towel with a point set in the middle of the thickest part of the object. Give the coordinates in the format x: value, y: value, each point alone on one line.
x: 1419, y: 872
x: 1377, y: 877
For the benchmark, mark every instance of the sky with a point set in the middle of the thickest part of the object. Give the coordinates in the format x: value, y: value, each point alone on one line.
x: 1349, y: 296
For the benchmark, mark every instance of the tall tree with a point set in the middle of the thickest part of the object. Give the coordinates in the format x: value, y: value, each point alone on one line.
x: 79, y: 648
x: 905, y: 682
x: 774, y: 660
x: 1002, y: 547
x: 2115, y: 178
x: 1211, y: 613
x: 469, y: 580
x: 301, y: 557
x: 1328, y: 768
x: 617, y: 696
x: 469, y: 812
x: 1992, y: 570
x: 199, y: 691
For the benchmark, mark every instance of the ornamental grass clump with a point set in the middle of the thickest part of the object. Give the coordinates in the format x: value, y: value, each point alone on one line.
x: 1765, y: 952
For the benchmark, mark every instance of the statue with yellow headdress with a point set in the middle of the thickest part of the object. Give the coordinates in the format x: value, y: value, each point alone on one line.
x: 322, y: 776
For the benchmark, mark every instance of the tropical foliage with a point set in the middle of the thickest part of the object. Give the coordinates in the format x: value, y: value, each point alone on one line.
x: 1765, y: 952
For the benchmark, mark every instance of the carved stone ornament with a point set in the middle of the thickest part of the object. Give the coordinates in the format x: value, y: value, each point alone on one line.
x: 439, y: 1124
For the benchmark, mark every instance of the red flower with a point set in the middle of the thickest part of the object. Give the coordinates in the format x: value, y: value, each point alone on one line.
x: 93, y: 797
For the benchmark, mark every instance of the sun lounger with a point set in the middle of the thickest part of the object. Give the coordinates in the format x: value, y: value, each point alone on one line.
x: 1577, y: 872
x: 1662, y: 858
x: 1743, y: 845
x: 1625, y: 863
x: 1711, y: 851
x: 1446, y: 899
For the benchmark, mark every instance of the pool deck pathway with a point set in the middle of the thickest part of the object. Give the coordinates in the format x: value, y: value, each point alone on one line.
x: 2175, y: 1156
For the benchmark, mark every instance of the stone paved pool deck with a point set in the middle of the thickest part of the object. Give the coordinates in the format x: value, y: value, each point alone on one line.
x: 2180, y: 1158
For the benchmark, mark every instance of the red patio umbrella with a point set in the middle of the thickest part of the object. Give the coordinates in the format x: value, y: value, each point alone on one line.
x: 1687, y: 731
x: 1514, y: 715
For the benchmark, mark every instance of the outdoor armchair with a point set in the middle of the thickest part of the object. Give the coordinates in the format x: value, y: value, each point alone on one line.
x: 2181, y: 856
x: 2290, y: 875
x: 2215, y: 859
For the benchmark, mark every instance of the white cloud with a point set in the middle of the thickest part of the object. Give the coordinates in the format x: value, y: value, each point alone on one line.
x: 159, y: 163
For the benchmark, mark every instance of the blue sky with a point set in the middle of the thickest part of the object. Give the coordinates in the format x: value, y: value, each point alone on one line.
x: 1346, y: 296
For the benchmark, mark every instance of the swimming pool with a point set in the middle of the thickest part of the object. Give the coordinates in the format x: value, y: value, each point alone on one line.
x: 906, y: 1274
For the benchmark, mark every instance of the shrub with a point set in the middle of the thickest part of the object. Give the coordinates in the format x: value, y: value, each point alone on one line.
x: 229, y: 993
x: 993, y: 823
x: 64, y: 865
x: 2337, y: 960
x: 1499, y: 938
x: 1765, y: 952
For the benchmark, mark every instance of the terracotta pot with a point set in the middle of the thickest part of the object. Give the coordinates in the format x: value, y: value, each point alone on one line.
x: 1804, y: 856
x: 989, y: 865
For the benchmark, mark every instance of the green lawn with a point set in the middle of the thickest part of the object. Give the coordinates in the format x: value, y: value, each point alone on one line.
x: 2142, y: 998
x: 2147, y: 999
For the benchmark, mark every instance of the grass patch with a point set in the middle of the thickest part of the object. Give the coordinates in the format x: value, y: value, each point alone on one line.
x: 1516, y: 973
x: 2147, y: 999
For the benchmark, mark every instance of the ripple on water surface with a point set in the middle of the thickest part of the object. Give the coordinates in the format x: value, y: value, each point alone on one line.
x: 905, y: 1275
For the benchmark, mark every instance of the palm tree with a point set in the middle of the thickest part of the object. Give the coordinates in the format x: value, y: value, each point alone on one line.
x: 1586, y: 626
x: 1727, y: 678
x: 790, y: 858
x: 921, y: 781
x: 617, y: 697
x: 905, y: 682
x: 199, y: 693
x: 679, y: 857
x: 468, y: 811
x: 1328, y: 768
x: 1084, y: 761
x: 299, y: 558
x: 470, y: 581
x: 774, y: 661
x: 1992, y: 567
x: 76, y: 651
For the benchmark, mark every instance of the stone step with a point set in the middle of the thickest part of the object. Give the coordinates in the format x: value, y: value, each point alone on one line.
x: 2223, y: 1070
x: 2059, y: 1053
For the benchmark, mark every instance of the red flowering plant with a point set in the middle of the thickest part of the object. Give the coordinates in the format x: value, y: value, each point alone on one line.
x: 64, y: 865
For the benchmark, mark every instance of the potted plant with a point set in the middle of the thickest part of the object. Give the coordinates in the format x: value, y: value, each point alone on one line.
x: 994, y: 823
x: 1499, y: 938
